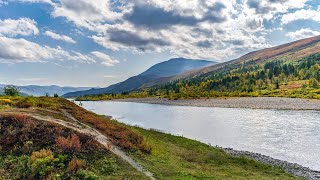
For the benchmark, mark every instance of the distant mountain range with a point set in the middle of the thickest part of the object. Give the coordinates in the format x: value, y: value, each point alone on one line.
x: 34, y: 90
x: 165, y: 69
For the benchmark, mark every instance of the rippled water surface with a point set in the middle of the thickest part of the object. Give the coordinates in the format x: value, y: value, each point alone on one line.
x: 293, y: 136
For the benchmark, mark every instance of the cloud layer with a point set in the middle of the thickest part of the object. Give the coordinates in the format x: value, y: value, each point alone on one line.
x: 205, y: 29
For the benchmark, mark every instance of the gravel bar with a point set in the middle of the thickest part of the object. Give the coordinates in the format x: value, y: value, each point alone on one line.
x: 241, y: 102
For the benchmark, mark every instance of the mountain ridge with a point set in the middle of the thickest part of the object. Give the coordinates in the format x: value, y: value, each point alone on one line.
x: 298, y: 48
x: 36, y: 90
x: 164, y: 69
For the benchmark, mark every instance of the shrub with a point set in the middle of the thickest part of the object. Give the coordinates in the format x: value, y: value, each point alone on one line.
x: 5, y: 102
x: 44, y: 153
x: 75, y: 165
x: 70, y: 144
x: 25, y: 103
x: 42, y: 163
x: 314, y: 83
x: 88, y: 175
x: 11, y: 91
x: 106, y: 166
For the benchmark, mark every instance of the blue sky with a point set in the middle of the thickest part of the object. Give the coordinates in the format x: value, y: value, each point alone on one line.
x: 101, y: 42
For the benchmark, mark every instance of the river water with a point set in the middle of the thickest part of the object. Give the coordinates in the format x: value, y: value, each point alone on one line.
x: 288, y: 135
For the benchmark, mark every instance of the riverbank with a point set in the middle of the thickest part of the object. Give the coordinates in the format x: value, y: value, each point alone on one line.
x: 175, y: 150
x: 241, y: 102
x: 291, y: 168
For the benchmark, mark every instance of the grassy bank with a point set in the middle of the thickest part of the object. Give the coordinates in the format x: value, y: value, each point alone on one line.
x: 167, y: 156
x: 181, y: 158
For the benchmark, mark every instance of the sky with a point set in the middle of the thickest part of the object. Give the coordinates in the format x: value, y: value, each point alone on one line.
x: 101, y: 42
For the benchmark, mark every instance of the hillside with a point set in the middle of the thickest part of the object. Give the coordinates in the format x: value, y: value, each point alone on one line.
x: 164, y: 69
x: 35, y: 90
x: 52, y: 138
x: 289, y: 70
x: 290, y: 51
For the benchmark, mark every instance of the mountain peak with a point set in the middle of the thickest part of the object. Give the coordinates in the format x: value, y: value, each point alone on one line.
x: 168, y: 68
x: 175, y: 66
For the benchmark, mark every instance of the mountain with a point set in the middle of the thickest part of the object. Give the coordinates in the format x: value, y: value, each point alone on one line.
x: 168, y: 68
x: 289, y: 70
x: 42, y: 90
x: 293, y: 51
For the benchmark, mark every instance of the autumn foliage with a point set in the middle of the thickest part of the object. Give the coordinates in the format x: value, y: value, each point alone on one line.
x: 75, y: 165
x: 43, y: 153
x: 69, y: 144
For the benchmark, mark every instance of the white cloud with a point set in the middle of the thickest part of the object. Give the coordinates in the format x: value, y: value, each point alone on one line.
x: 22, y: 26
x: 85, y: 13
x: 206, y: 29
x: 302, y: 33
x: 60, y: 37
x: 37, y: 1
x: 20, y: 50
x: 301, y: 15
x: 3, y: 2
x: 105, y: 59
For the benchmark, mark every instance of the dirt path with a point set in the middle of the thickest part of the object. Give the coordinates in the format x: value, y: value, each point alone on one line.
x: 85, y: 129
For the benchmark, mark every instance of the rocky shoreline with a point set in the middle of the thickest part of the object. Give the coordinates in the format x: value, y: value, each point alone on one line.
x: 241, y: 102
x: 291, y: 168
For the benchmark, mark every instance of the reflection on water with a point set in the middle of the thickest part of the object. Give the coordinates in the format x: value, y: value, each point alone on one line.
x: 293, y: 136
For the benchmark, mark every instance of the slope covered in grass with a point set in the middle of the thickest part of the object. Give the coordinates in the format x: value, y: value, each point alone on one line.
x: 36, y: 149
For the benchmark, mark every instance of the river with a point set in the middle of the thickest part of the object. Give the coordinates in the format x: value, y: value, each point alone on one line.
x: 288, y: 135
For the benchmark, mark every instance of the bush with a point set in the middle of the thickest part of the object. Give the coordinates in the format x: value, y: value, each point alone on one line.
x: 25, y: 103
x: 88, y: 175
x: 5, y: 102
x: 106, y: 166
x: 11, y: 91
x: 314, y: 83
x: 42, y: 163
x: 75, y: 165
x: 69, y: 145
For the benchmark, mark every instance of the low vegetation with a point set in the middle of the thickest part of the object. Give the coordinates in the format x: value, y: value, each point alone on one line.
x: 32, y: 149
x: 121, y: 135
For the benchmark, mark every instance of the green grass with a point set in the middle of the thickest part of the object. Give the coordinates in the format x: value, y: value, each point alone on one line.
x: 171, y: 157
x: 180, y: 158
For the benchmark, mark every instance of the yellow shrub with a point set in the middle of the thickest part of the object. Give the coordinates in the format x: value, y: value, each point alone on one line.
x: 44, y: 153
x: 5, y: 102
